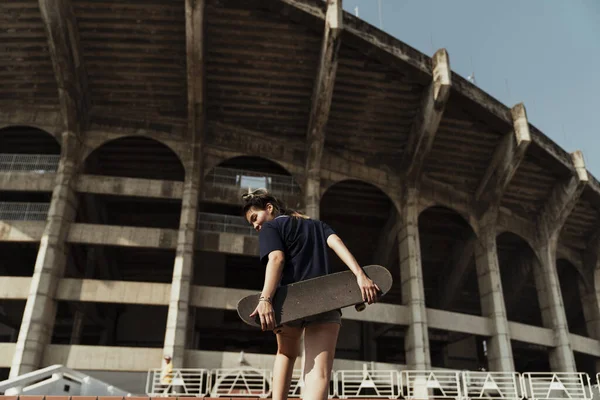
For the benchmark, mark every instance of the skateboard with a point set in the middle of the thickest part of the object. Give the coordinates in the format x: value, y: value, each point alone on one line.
x: 315, y: 296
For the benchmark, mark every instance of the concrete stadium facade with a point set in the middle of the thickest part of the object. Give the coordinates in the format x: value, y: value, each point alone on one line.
x: 121, y: 173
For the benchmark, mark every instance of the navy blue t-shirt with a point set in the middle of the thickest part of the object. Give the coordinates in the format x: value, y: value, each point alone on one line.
x: 304, y: 246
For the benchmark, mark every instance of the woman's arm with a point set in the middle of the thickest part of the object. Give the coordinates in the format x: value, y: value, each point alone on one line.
x: 335, y: 243
x: 273, y: 272
x: 368, y: 288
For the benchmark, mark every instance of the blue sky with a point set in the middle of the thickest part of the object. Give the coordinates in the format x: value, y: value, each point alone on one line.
x: 544, y: 53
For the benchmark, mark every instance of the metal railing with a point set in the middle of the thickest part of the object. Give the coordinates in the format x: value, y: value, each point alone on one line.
x: 17, y: 211
x: 181, y: 382
x: 365, y: 383
x: 224, y: 223
x: 241, y: 382
x: 431, y: 385
x: 244, y: 180
x: 492, y: 385
x: 297, y: 384
x: 390, y: 384
x: 557, y: 385
x: 29, y: 162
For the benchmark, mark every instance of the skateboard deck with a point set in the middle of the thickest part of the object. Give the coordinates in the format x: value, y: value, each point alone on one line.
x: 315, y: 296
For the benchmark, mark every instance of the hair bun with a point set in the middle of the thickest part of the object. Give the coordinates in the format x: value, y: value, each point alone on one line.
x: 252, y: 194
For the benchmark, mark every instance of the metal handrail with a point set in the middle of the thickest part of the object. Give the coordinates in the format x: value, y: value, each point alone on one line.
x: 246, y: 179
x: 557, y: 385
x: 241, y: 382
x: 366, y: 383
x: 492, y: 385
x: 426, y: 384
x: 224, y: 223
x: 21, y: 211
x: 40, y: 163
x: 192, y: 382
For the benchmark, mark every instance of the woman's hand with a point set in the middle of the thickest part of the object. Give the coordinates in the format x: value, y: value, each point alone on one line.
x: 264, y: 309
x: 368, y: 288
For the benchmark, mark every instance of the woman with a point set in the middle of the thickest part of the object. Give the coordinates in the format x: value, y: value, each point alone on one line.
x: 294, y: 248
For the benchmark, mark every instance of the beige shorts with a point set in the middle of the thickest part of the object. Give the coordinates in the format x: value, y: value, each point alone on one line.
x: 334, y: 316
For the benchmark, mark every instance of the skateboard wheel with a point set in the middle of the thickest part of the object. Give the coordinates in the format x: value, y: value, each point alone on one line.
x: 360, y: 307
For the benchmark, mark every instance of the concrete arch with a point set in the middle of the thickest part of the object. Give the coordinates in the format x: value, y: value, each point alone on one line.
x: 580, y: 271
x: 504, y: 230
x: 161, y: 144
x: 394, y: 196
x: 56, y: 132
x: 467, y: 217
x: 228, y: 186
x: 178, y: 148
x: 43, y: 132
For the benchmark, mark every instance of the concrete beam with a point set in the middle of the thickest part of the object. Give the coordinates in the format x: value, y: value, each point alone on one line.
x: 14, y: 287
x: 124, y: 236
x: 427, y: 120
x: 562, y: 200
x: 21, y: 231
x: 506, y: 160
x: 321, y: 103
x: 48, y: 119
x: 67, y: 61
x: 121, y: 292
x: 27, y: 181
x: 134, y: 187
x: 461, y: 262
x: 229, y: 243
x: 194, y: 34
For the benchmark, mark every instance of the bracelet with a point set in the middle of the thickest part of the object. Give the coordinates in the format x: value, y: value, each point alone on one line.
x: 267, y: 299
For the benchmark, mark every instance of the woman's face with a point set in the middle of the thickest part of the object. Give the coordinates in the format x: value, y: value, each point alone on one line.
x: 256, y: 217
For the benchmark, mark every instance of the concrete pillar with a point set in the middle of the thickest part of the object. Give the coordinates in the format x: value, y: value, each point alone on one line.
x: 312, y: 197
x: 499, y: 350
x: 176, y: 333
x: 552, y: 307
x: 416, y: 342
x: 40, y: 309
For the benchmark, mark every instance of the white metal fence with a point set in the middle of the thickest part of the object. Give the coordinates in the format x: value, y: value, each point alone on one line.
x: 18, y: 211
x: 181, y: 382
x: 224, y: 223
x: 492, y: 385
x: 558, y: 385
x: 431, y: 385
x: 241, y: 382
x: 391, y: 384
x: 29, y: 162
x: 244, y: 179
x: 365, y: 383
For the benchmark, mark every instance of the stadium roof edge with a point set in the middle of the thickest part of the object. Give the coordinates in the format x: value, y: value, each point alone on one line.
x: 392, y: 51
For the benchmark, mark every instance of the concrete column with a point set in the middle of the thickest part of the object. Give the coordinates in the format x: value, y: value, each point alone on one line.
x: 499, y: 350
x: 312, y: 197
x: 40, y: 309
x: 179, y: 305
x: 416, y: 341
x: 552, y: 307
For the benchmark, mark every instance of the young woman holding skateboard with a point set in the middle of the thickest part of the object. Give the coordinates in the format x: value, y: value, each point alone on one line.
x: 293, y: 248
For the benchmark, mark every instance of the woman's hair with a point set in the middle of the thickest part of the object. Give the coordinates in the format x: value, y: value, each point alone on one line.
x: 261, y: 197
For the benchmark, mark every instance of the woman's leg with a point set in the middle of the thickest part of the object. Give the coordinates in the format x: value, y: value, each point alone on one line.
x: 288, y: 347
x: 319, y: 349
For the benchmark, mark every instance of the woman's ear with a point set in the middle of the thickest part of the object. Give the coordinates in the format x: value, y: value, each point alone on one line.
x: 270, y: 208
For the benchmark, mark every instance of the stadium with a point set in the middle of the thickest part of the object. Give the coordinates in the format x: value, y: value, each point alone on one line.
x: 129, y: 130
